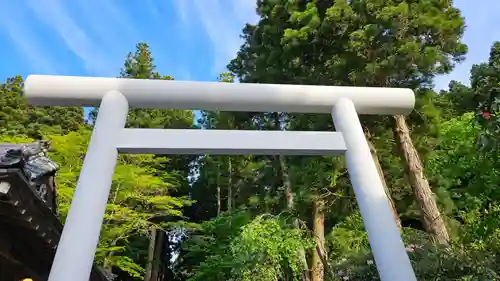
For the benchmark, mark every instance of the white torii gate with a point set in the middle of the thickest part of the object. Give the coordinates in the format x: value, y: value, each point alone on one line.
x: 79, y: 239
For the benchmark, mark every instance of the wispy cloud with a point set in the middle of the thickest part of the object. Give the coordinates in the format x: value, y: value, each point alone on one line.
x: 182, y: 8
x: 95, y: 31
x: 21, y: 37
x: 222, y: 21
x: 95, y: 35
x: 153, y: 9
x: 54, y: 14
x: 92, y: 37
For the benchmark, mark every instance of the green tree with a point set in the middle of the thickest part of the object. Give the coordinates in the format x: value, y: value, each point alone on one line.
x: 236, y: 247
x: 279, y: 218
x: 139, y: 192
x: 360, y: 43
x: 485, y: 84
x: 18, y: 118
x: 140, y: 65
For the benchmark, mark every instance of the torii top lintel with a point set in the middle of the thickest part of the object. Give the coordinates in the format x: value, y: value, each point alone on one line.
x: 52, y: 90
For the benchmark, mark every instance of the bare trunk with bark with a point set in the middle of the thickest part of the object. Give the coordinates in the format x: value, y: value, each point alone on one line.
x: 380, y: 171
x: 317, y: 267
x: 287, y: 184
x: 154, y: 255
x: 431, y: 217
x: 230, y: 186
x: 151, y: 251
x: 157, y: 260
x: 290, y: 206
x: 218, y: 190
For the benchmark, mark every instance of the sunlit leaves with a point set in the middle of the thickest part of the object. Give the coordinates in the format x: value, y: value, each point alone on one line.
x: 262, y: 249
x: 18, y: 118
x: 139, y: 192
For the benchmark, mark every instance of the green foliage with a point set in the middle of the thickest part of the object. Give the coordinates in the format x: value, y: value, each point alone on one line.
x: 430, y: 263
x: 359, y: 43
x: 485, y: 83
x: 348, y: 237
x: 471, y: 180
x: 145, y: 188
x: 255, y: 213
x: 205, y: 252
x: 349, y: 243
x: 355, y: 42
x: 138, y: 193
x: 140, y: 65
x: 18, y: 118
x: 266, y: 249
x: 237, y: 247
x: 378, y: 43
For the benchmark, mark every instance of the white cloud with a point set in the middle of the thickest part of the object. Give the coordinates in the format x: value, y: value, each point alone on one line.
x: 101, y: 32
x: 182, y: 9
x: 55, y: 15
x: 96, y: 32
x: 152, y: 9
x: 222, y: 21
x: 22, y: 38
x: 108, y: 23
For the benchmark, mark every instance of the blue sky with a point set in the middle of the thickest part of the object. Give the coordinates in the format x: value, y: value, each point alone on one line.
x: 190, y: 39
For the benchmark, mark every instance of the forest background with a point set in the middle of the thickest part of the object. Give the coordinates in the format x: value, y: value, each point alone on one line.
x: 296, y: 218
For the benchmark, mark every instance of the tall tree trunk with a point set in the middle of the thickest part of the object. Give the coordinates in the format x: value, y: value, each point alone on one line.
x: 432, y: 220
x: 290, y: 207
x: 380, y: 171
x: 317, y: 268
x: 158, y: 251
x: 218, y: 190
x: 151, y: 252
x: 287, y: 184
x: 230, y: 186
x: 283, y: 169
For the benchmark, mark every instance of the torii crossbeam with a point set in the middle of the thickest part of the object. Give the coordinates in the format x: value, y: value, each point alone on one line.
x: 114, y: 96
